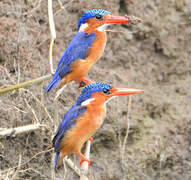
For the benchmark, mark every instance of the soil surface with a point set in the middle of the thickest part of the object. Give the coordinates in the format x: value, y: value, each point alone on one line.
x: 154, y: 56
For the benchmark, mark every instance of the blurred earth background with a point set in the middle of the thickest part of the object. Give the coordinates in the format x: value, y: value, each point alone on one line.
x: 154, y: 56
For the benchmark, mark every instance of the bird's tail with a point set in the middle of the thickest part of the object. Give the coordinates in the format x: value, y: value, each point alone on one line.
x: 58, y: 159
x: 54, y: 83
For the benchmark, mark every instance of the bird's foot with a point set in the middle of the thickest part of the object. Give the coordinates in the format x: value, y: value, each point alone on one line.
x: 83, y: 159
x: 91, y: 139
x: 84, y: 82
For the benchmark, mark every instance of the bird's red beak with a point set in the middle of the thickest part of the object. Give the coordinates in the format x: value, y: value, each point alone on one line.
x: 117, y: 20
x: 124, y: 91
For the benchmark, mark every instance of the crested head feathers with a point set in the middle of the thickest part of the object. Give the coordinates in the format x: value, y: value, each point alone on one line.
x: 92, y: 88
x: 90, y: 14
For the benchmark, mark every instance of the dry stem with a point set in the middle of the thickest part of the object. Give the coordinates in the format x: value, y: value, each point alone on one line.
x: 27, y: 161
x: 53, y: 34
x: 72, y: 166
x: 19, y: 130
x: 25, y: 84
x: 127, y: 130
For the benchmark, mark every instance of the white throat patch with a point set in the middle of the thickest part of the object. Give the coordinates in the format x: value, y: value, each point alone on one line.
x: 109, y: 99
x: 102, y: 28
x: 83, y: 27
x: 86, y: 102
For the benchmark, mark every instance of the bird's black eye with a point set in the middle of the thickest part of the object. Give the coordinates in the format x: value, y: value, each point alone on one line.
x: 106, y: 91
x: 100, y: 17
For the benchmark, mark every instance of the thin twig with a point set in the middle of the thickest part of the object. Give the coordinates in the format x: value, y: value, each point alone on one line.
x: 18, y: 167
x: 7, y: 170
x: 72, y: 166
x: 127, y: 130
x: 18, y: 53
x: 25, y: 84
x: 53, y: 177
x: 33, y: 112
x: 53, y: 34
x: 124, y: 32
x: 34, y: 9
x: 7, y: 73
x: 53, y: 37
x: 43, y: 106
x: 31, y: 169
x: 63, y: 6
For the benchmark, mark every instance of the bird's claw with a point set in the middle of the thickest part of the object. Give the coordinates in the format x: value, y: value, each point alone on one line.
x: 91, y: 139
x: 85, y: 159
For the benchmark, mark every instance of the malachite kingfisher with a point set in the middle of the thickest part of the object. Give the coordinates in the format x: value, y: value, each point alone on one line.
x: 84, y: 118
x: 86, y: 47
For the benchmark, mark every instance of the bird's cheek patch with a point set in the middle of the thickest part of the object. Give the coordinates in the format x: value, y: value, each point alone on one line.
x: 86, y: 102
x: 83, y: 27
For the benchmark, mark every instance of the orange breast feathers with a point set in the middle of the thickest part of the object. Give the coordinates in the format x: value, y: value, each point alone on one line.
x: 81, y: 67
x: 86, y: 127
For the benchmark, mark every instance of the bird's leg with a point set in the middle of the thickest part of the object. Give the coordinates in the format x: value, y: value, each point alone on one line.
x: 91, y: 139
x: 83, y: 158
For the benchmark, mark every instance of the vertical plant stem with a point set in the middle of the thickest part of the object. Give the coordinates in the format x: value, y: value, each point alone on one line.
x: 53, y: 34
x: 127, y: 130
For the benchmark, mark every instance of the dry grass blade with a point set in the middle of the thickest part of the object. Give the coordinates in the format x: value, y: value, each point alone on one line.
x: 38, y: 101
x: 28, y: 160
x: 127, y: 130
x: 18, y: 168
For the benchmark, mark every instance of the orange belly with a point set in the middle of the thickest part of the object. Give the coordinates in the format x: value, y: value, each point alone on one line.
x: 85, y: 127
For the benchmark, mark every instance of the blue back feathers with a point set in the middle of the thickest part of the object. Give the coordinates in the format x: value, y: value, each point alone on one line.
x: 77, y: 49
x: 90, y: 14
x: 92, y: 88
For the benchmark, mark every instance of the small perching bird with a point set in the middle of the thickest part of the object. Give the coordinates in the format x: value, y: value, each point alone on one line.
x: 85, y: 49
x: 84, y: 118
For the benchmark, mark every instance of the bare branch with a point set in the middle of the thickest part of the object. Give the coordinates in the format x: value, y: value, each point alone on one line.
x: 25, y: 84
x: 19, y: 130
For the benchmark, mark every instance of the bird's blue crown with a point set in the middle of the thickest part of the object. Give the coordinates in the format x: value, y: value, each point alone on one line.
x: 92, y: 88
x: 90, y: 14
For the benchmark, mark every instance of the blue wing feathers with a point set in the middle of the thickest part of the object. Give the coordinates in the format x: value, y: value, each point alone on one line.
x: 54, y: 83
x: 56, y: 160
x: 67, y: 123
x: 77, y: 49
